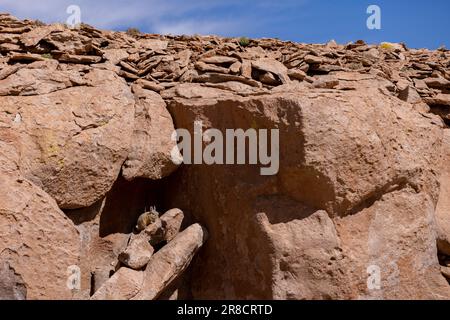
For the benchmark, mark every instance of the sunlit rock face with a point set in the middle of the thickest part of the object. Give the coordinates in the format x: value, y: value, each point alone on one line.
x: 353, y: 202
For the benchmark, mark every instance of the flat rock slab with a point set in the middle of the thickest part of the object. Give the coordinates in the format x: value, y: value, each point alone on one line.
x: 169, y: 262
x: 273, y: 66
x: 123, y: 285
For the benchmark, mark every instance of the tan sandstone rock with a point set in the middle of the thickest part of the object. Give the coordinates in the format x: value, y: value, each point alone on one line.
x: 168, y: 263
x: 33, y: 37
x: 137, y: 254
x: 38, y: 244
x: 171, y: 221
x: 123, y: 285
x: 150, y: 153
x: 337, y: 155
x: 356, y: 206
x: 272, y: 66
x: 73, y: 140
x: 443, y: 205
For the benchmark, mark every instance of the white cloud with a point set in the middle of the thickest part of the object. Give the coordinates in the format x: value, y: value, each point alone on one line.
x: 190, y: 27
x: 110, y: 14
x: 160, y: 16
x: 100, y: 13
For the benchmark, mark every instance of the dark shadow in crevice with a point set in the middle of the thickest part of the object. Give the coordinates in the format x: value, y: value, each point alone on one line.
x: 122, y: 205
x: 444, y: 262
x: 168, y: 199
x: 126, y: 201
x: 92, y: 290
x: 82, y: 215
x: 443, y: 111
x: 159, y: 246
x: 447, y: 123
x: 282, y: 209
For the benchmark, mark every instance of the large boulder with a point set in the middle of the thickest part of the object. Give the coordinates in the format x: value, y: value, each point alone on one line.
x: 161, y: 273
x: 151, y: 145
x: 39, y: 245
x: 168, y: 264
x: 73, y: 137
x: 344, y: 155
x: 396, y: 238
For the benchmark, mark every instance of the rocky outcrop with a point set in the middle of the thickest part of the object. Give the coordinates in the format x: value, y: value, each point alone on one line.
x: 72, y: 140
x: 443, y: 205
x: 86, y: 124
x: 313, y: 230
x: 151, y: 144
x: 36, y: 238
x: 168, y: 263
x: 160, y: 271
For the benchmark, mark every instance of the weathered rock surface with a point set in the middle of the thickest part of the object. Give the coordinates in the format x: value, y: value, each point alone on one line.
x: 154, y: 233
x: 390, y: 248
x: 38, y: 242
x: 167, y: 264
x: 72, y: 140
x: 171, y: 221
x: 272, y: 66
x: 163, y: 268
x: 149, y: 156
x: 86, y: 120
x: 123, y: 285
x: 443, y: 205
x: 346, y: 166
x: 137, y: 254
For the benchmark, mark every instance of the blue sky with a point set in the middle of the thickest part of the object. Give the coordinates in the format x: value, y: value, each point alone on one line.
x: 418, y: 23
